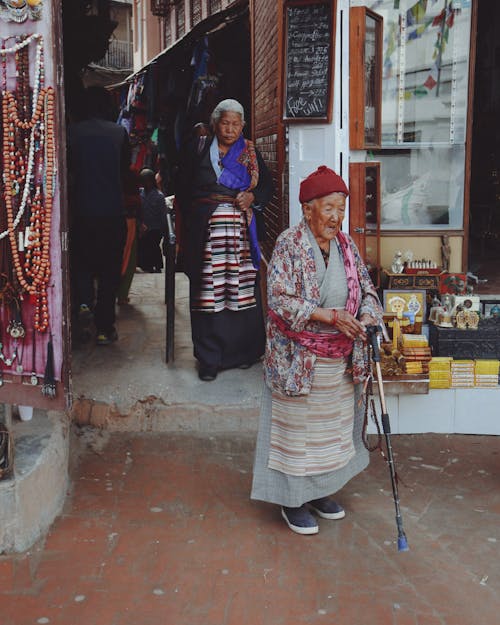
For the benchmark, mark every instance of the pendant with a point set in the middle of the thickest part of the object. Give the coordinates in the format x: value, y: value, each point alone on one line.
x: 19, y: 368
x: 16, y: 329
x: 34, y: 379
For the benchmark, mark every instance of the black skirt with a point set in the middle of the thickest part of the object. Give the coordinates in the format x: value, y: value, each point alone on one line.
x: 228, y: 339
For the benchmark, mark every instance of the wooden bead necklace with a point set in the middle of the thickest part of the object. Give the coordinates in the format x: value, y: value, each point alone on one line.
x: 29, y: 183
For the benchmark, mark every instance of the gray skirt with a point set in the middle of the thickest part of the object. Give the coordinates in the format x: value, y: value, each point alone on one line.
x: 293, y: 491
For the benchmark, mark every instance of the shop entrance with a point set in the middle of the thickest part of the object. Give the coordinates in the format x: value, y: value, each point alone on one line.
x: 484, y: 224
x: 160, y: 105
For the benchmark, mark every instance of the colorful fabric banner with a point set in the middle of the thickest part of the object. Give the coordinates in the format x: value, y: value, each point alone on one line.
x: 416, y: 14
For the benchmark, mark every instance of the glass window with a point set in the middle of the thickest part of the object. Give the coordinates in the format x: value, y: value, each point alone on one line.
x: 424, y: 112
x: 372, y: 93
x: 180, y: 19
x: 195, y: 12
x: 214, y: 6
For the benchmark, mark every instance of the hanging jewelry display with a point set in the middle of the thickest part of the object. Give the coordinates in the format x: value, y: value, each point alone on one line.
x: 20, y: 10
x: 27, y: 191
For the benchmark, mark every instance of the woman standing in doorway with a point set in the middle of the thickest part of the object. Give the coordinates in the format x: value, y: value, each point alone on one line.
x: 222, y: 188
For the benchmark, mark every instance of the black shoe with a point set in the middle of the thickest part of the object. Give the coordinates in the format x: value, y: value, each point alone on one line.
x: 207, y: 373
x: 106, y: 338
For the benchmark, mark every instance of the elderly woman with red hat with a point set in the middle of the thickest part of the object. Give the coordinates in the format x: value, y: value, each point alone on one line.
x: 320, y: 298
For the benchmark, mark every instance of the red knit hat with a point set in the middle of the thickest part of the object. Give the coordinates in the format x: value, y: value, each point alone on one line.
x: 321, y: 182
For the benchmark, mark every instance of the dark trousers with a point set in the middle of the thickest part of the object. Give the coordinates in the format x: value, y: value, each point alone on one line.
x: 149, y: 252
x: 97, y: 250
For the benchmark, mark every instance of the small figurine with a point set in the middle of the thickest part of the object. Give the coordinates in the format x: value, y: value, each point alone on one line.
x: 397, y: 262
x: 446, y: 302
x: 445, y: 252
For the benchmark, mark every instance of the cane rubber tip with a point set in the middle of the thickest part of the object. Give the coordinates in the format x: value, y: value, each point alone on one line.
x: 403, y: 544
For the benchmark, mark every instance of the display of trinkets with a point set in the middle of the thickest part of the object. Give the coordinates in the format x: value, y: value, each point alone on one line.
x: 27, y: 193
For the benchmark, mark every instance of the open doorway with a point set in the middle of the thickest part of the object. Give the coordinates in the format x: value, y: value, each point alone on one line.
x: 166, y: 98
x: 484, y: 224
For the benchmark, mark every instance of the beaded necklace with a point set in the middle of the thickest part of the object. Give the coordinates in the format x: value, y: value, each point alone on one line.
x: 28, y: 189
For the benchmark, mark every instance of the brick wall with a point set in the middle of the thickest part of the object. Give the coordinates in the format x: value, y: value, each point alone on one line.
x: 268, y: 127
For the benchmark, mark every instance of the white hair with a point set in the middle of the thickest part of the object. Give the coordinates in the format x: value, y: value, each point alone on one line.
x: 227, y: 106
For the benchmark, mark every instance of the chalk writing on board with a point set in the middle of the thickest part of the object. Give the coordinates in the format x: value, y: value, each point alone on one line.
x: 308, y: 53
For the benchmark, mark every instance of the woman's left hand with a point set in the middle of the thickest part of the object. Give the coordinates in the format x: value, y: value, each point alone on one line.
x: 244, y: 200
x: 349, y: 325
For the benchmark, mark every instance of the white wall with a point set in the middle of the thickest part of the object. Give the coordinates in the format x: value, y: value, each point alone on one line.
x: 312, y: 145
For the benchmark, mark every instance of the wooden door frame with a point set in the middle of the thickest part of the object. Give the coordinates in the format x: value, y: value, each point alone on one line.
x: 468, y: 138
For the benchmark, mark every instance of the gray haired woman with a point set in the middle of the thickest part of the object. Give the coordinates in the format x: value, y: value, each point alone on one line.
x: 221, y: 190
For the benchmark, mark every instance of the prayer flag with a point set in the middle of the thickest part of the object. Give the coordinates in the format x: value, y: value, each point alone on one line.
x: 418, y: 31
x: 439, y: 18
x: 416, y: 14
x: 432, y: 79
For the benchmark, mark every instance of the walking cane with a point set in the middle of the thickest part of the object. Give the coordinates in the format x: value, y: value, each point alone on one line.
x: 373, y: 336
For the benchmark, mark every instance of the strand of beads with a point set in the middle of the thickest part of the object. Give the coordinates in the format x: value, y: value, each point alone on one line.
x: 41, y: 319
x: 40, y: 222
x: 10, y: 111
x: 21, y: 44
x: 30, y: 132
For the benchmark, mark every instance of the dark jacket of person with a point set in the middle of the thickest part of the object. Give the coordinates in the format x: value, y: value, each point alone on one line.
x: 99, y: 155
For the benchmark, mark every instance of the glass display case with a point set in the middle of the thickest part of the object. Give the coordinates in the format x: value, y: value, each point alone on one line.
x: 424, y: 103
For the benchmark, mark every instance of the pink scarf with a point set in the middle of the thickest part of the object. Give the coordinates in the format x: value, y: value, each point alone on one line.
x: 323, y: 344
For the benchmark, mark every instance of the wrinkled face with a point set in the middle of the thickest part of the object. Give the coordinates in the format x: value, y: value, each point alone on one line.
x: 228, y: 128
x: 324, y: 216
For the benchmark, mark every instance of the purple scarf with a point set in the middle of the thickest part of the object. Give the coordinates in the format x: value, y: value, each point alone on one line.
x: 240, y: 171
x: 235, y: 174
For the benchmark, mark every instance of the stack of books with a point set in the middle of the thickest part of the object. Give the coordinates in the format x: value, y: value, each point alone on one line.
x: 440, y: 372
x: 414, y: 340
x: 462, y: 373
x: 486, y: 373
x: 416, y: 353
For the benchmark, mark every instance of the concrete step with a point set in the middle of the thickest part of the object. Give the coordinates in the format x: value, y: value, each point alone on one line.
x: 153, y: 414
x: 128, y: 386
x: 34, y: 495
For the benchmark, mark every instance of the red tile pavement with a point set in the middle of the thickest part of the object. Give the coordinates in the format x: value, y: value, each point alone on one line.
x: 159, y: 530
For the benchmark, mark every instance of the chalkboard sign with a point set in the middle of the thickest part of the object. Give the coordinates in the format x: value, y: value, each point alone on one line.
x: 308, y: 61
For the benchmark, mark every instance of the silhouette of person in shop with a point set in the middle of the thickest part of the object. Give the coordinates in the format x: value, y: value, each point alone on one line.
x: 99, y: 157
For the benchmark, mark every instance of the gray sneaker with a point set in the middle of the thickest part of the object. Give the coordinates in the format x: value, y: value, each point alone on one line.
x: 326, y: 508
x: 300, y: 520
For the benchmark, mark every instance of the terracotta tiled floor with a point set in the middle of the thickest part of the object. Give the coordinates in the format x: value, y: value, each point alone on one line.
x: 159, y: 530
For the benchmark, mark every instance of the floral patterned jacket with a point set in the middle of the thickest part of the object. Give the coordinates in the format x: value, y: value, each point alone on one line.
x: 293, y: 294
